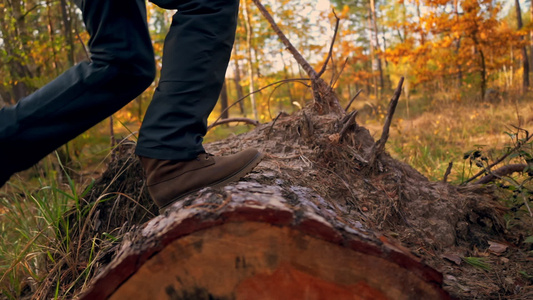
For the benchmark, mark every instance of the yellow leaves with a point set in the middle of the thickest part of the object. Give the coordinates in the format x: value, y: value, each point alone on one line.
x: 441, y: 43
x: 436, y: 3
x: 345, y: 10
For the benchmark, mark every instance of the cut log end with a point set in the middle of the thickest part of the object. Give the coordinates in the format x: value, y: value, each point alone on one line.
x: 251, y: 260
x: 259, y: 247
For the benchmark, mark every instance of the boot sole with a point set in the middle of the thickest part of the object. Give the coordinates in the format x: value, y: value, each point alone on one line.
x: 233, y: 177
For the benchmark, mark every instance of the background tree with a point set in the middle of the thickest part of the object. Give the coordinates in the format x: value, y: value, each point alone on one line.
x: 525, y: 62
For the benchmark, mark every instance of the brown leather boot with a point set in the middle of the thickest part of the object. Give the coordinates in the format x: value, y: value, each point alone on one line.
x: 169, y: 181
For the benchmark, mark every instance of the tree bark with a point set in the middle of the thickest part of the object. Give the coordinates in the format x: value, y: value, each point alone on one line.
x: 67, y: 26
x: 531, y: 38
x: 458, y: 46
x: 249, y: 46
x: 238, y: 86
x: 372, y: 57
x: 525, y: 62
x: 224, y: 102
x: 377, y: 47
x: 16, y: 49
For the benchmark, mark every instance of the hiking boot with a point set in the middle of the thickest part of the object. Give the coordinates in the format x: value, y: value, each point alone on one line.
x: 169, y: 181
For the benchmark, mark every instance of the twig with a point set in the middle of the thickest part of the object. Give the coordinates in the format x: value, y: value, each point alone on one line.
x: 527, y: 206
x: 112, y: 136
x: 349, y: 122
x: 82, y: 44
x: 334, y: 80
x: 337, y: 20
x: 353, y: 99
x: 448, y: 171
x: 257, y: 91
x: 230, y: 120
x: 518, y: 146
x: 273, y: 123
x: 379, y: 146
x: 274, y: 90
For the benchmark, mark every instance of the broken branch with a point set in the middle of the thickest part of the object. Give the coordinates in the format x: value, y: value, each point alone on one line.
x: 379, y: 146
x: 518, y: 146
x: 353, y: 99
x: 337, y: 20
x: 231, y: 120
x: 349, y: 122
x: 299, y: 58
x: 502, y: 171
x: 448, y: 171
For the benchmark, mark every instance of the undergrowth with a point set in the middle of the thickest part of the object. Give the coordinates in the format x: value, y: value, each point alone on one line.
x: 36, y: 249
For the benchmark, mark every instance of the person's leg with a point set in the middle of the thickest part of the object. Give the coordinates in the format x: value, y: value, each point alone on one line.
x: 121, y: 67
x: 196, y: 53
x: 195, y: 57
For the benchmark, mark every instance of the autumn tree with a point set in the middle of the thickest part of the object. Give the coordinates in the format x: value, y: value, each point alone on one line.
x: 458, y: 39
x: 525, y: 62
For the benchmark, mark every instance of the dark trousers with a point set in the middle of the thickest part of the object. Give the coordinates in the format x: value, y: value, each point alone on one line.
x: 196, y: 54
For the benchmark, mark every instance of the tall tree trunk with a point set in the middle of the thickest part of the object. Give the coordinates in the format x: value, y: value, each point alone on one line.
x: 482, y: 64
x: 372, y: 57
x: 483, y: 73
x: 237, y: 80
x: 224, y: 113
x: 379, y: 66
x: 419, y: 15
x: 286, y: 76
x: 248, y: 25
x: 525, y: 62
x: 67, y: 26
x: 458, y: 46
x: 16, y: 50
x: 51, y: 30
x: 531, y: 38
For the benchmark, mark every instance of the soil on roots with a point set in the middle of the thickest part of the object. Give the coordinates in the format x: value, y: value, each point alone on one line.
x: 439, y: 222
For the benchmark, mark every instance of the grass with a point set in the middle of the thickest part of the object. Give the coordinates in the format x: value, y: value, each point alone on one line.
x: 436, y: 137
x: 35, y: 235
x: 428, y: 135
x: 478, y: 262
x: 32, y: 225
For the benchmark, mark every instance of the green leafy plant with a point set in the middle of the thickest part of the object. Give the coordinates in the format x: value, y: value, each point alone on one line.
x: 478, y: 262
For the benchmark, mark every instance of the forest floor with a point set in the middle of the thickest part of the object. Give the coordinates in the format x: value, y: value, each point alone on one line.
x: 476, y: 236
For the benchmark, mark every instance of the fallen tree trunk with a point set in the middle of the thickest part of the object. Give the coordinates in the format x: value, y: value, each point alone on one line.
x: 251, y: 241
